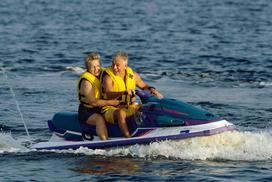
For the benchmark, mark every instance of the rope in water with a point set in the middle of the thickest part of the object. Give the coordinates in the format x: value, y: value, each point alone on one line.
x: 16, y: 102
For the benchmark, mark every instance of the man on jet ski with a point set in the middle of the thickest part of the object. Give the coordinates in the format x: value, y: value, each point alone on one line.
x: 119, y: 83
x: 89, y: 96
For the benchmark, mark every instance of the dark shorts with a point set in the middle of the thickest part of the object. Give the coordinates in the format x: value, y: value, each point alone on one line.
x: 84, y: 113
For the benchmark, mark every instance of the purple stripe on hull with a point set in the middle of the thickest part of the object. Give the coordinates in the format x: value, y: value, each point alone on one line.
x: 132, y: 141
x: 175, y: 112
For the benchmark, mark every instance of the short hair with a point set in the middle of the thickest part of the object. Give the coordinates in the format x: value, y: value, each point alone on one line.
x: 91, y: 57
x: 120, y: 55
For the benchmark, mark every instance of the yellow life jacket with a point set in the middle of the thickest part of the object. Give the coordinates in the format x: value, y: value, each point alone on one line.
x: 96, y: 83
x: 119, y: 85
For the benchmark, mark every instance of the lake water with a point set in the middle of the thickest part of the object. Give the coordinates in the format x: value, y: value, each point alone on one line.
x: 213, y: 54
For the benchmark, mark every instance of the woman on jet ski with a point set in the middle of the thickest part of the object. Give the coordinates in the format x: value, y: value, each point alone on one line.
x: 89, y: 96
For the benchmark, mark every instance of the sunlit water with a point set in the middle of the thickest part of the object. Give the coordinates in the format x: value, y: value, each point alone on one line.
x: 213, y: 54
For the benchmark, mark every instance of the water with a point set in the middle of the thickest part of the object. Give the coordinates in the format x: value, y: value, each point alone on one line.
x: 213, y: 54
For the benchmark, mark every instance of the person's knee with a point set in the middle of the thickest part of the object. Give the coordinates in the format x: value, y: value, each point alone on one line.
x: 121, y: 114
x: 100, y: 119
x: 97, y: 119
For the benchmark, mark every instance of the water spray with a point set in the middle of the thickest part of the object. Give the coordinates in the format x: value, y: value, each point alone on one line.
x: 16, y: 102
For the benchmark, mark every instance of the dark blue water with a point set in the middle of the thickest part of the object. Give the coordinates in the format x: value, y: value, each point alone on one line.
x: 213, y: 54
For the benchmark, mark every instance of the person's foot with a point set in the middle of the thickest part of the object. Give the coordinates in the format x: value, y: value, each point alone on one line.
x: 127, y: 135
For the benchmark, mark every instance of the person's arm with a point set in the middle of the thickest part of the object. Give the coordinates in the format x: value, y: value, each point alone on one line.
x: 142, y: 85
x: 87, y: 90
x: 108, y: 88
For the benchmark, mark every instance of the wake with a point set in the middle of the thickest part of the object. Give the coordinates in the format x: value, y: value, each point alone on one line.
x: 9, y: 145
x: 233, y: 145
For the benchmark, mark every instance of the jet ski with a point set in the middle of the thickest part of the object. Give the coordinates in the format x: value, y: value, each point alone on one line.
x: 157, y: 120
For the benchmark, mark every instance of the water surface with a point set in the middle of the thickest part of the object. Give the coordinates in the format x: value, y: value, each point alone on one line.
x: 213, y: 54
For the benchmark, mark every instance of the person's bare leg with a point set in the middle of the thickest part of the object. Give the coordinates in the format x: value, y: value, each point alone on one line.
x: 121, y: 118
x: 100, y: 125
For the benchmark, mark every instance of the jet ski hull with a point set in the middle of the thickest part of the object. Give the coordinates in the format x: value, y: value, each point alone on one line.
x: 149, y: 135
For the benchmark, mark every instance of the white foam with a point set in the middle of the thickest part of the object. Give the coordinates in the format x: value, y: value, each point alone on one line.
x: 9, y: 145
x: 76, y: 69
x: 234, y: 145
x: 265, y: 84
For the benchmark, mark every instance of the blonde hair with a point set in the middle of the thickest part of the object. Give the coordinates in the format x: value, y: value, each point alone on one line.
x: 122, y: 55
x: 91, y: 57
